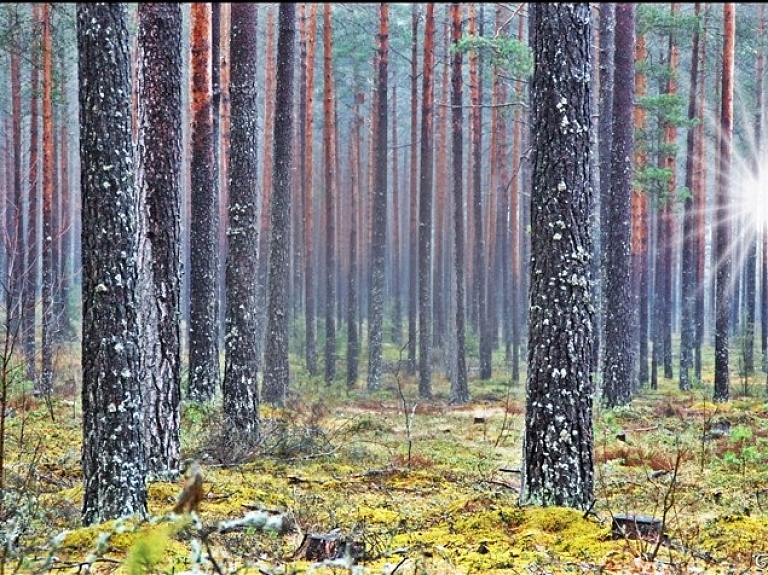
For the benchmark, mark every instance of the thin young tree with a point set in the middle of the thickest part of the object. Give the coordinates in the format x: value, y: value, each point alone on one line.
x: 158, y: 177
x: 722, y: 230
x: 639, y: 225
x: 114, y: 464
x: 479, y: 299
x: 604, y: 132
x: 29, y: 289
x: 618, y: 355
x: 329, y: 184
x: 425, y: 205
x: 459, y: 385
x: 413, y: 230
x: 203, y: 339
x: 276, y: 353
x: 558, y: 458
x: 379, y: 223
x: 353, y: 339
x: 47, y: 287
x: 241, y: 364
x: 688, y: 263
x: 307, y: 158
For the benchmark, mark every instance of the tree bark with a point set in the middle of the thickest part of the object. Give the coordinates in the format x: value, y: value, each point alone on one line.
x: 240, y: 384
x: 158, y: 178
x: 203, y: 337
x: 558, y: 441
x: 379, y: 220
x: 617, y: 287
x: 459, y: 386
x: 276, y: 370
x: 425, y: 207
x: 114, y: 464
x: 722, y: 238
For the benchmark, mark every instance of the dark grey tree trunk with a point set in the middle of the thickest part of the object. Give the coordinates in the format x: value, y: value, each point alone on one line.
x: 379, y: 222
x: 558, y: 443
x: 241, y: 365
x: 618, y: 358
x: 459, y: 385
x: 203, y: 326
x: 276, y: 352
x: 158, y: 178
x: 114, y: 453
x: 607, y: 49
x: 688, y: 264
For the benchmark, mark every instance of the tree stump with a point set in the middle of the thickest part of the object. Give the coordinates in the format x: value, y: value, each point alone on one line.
x: 328, y: 546
x: 636, y: 527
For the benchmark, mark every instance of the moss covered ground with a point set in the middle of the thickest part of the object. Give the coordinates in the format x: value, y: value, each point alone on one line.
x: 419, y: 487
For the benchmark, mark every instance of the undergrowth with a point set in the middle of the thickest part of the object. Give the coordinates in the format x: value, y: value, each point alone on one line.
x: 403, y: 485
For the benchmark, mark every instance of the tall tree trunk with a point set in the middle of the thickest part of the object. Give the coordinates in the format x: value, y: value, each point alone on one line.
x: 203, y: 331
x: 266, y: 174
x: 425, y: 207
x: 276, y: 369
x: 158, y: 178
x: 459, y: 386
x: 413, y: 275
x: 618, y: 341
x: 379, y: 223
x: 353, y: 341
x: 14, y: 207
x: 639, y: 226
x: 240, y: 384
x: 515, y: 215
x: 558, y: 442
x: 722, y: 245
x: 221, y: 247
x: 309, y: 267
x: 114, y: 464
x: 47, y: 341
x: 29, y: 293
x: 688, y: 269
x: 607, y: 50
x: 479, y: 299
x: 750, y: 269
x: 699, y: 204
x: 397, y: 313
x: 330, y: 201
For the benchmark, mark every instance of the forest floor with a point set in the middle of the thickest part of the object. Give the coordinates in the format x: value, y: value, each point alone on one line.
x: 349, y: 481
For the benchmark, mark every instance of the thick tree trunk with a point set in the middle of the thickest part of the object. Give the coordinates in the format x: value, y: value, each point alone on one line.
x: 276, y: 371
x: 114, y: 464
x: 159, y: 187
x: 617, y: 287
x: 558, y: 466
